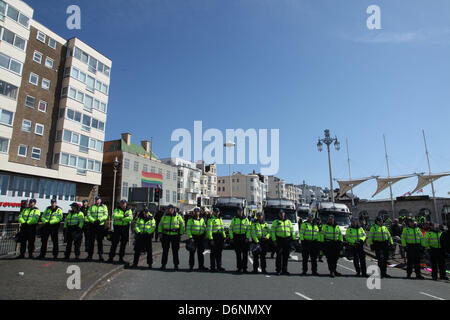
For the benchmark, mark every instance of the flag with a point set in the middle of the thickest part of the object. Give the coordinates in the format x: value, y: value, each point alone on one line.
x: 151, y: 180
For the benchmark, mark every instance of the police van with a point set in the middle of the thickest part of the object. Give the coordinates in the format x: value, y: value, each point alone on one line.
x: 272, y: 208
x: 228, y: 207
x: 303, y: 211
x: 323, y: 209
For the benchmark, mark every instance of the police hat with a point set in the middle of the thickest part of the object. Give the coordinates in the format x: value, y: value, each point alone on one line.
x: 85, y: 201
x: 216, y: 210
x: 378, y: 219
x: 98, y: 198
x: 196, y: 209
x: 53, y: 200
x: 310, y: 215
x: 281, y: 211
x: 331, y: 216
x: 123, y: 201
x: 74, y: 204
x: 32, y: 201
x: 170, y: 206
x: 260, y: 214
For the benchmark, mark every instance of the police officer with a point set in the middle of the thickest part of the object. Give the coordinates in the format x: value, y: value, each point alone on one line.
x: 282, y: 232
x: 332, y: 238
x: 432, y: 242
x: 97, y: 215
x: 310, y: 238
x: 74, y: 226
x: 259, y: 233
x: 355, y: 237
x: 412, y: 240
x: 28, y: 219
x: 238, y: 237
x: 171, y: 227
x: 86, y: 226
x: 51, y: 218
x: 215, y: 233
x: 379, y: 241
x: 144, y: 228
x: 122, y: 218
x: 196, y: 231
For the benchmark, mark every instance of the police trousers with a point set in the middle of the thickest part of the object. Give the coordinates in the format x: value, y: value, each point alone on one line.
x: 282, y: 250
x: 97, y: 232
x: 167, y: 241
x: 437, y: 257
x: 331, y: 250
x: 382, y: 254
x: 120, y: 234
x: 200, y: 248
x: 28, y: 232
x: 413, y: 259
x: 310, y: 249
x: 359, y: 258
x: 241, y: 248
x: 143, y: 243
x: 74, y: 236
x: 46, y: 232
x: 216, y: 251
x: 259, y: 258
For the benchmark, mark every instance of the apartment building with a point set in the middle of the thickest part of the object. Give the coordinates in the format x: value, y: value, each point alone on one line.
x: 53, y: 105
x: 208, y: 183
x: 138, y: 167
x: 248, y: 186
x: 188, y: 182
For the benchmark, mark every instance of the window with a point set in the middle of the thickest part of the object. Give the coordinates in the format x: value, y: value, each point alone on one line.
x: 126, y: 163
x: 125, y: 189
x: 72, y: 93
x: 13, y: 13
x: 51, y: 43
x: 49, y: 63
x: 64, y: 159
x: 136, y: 166
x: 46, y: 84
x: 167, y: 196
x: 34, y: 79
x: 6, y: 117
x: 41, y: 36
x: 37, y: 57
x: 26, y: 125
x: 90, y: 83
x: 72, y: 161
x: 145, y: 168
x: 10, y: 64
x: 30, y: 101
x: 92, y: 66
x: 42, y: 106
x: 4, y: 145
x: 174, y: 197
x: 23, y: 150
x: 8, y: 90
x: 39, y: 129
x: 36, y: 153
x: 13, y: 39
x: 24, y: 20
x: 168, y: 175
x: 80, y: 96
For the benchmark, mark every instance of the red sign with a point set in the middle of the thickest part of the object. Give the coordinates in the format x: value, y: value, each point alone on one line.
x: 10, y: 204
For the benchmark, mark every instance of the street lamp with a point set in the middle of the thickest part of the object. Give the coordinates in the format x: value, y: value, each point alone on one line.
x: 328, y: 141
x: 230, y: 144
x: 116, y: 164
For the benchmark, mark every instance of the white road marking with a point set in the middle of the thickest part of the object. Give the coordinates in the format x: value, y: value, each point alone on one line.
x: 426, y: 294
x: 340, y: 265
x: 303, y: 296
x: 293, y: 257
x: 206, y: 252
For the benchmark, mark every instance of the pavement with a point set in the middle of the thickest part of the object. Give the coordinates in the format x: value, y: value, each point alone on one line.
x: 32, y: 279
x: 143, y: 284
x: 47, y: 279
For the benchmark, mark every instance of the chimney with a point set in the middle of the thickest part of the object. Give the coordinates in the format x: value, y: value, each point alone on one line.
x: 146, y: 145
x: 127, y: 138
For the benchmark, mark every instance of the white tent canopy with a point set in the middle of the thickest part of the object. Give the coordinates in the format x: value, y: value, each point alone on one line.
x: 345, y: 186
x: 426, y: 179
x: 384, y: 182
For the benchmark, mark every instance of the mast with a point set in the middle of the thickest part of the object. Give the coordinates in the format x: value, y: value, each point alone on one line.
x: 349, y: 172
x: 431, y: 180
x: 389, y: 175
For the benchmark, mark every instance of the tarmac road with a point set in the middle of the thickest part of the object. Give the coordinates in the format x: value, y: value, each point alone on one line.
x: 152, y: 284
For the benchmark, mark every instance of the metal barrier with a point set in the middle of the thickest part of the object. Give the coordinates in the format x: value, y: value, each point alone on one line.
x: 7, y: 234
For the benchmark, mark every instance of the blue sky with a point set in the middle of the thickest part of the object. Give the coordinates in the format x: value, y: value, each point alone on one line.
x: 300, y: 66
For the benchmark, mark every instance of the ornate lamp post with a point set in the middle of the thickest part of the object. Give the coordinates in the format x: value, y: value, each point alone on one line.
x: 328, y: 141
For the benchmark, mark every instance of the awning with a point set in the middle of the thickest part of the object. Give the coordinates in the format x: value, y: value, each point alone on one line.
x: 426, y: 179
x: 385, y: 182
x: 345, y: 186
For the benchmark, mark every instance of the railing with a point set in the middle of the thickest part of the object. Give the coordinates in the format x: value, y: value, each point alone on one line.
x: 7, y: 234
